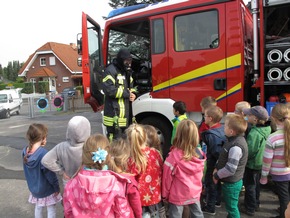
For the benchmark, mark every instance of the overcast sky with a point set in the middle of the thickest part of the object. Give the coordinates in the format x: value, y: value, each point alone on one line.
x: 26, y: 25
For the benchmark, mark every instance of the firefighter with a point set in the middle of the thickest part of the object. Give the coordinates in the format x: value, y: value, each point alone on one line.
x: 119, y: 94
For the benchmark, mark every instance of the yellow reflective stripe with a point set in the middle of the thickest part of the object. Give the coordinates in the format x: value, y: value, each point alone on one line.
x: 119, y: 92
x: 111, y: 137
x: 109, y: 77
x: 108, y: 121
x: 230, y: 91
x: 133, y: 90
x: 122, y: 122
x: 122, y: 107
x: 131, y: 79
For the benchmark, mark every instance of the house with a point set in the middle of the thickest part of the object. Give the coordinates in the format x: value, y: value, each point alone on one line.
x: 55, y: 63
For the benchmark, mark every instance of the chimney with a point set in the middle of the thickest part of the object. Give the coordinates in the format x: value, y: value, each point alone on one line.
x: 73, y: 45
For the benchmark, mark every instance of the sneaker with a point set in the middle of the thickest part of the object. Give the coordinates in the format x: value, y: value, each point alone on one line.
x: 208, y: 211
x: 245, y: 211
x: 218, y: 205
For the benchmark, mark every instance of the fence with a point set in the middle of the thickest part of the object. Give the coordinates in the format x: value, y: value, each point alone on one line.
x: 31, y: 105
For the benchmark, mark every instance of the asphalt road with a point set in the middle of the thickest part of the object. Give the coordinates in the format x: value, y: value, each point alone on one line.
x: 13, y: 188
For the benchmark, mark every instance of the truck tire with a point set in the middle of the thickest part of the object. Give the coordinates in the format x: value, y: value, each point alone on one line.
x: 164, y: 131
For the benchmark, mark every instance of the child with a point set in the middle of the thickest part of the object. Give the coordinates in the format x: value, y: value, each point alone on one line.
x: 119, y: 153
x: 66, y: 157
x: 96, y: 191
x: 256, y: 140
x: 152, y: 137
x: 214, y: 138
x: 146, y: 164
x: 240, y: 106
x: 179, y: 111
x: 231, y: 163
x: 42, y: 183
x: 205, y: 103
x: 182, y: 172
x: 276, y: 157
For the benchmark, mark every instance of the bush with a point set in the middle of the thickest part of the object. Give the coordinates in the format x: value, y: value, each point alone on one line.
x: 43, y: 86
x: 80, y: 88
x: 18, y: 85
x: 28, y: 88
x: 19, y: 80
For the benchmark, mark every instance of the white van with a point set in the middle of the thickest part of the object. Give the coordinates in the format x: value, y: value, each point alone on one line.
x: 10, y: 101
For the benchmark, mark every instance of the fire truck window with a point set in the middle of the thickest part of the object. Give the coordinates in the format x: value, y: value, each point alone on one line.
x: 196, y: 31
x: 158, y: 38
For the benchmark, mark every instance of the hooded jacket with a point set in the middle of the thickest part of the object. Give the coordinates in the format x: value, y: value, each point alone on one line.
x: 182, y: 180
x: 117, y: 84
x: 41, y: 181
x: 96, y: 193
x: 256, y: 140
x: 67, y: 156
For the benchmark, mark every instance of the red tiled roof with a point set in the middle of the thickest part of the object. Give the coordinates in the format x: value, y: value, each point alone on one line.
x: 66, y: 53
x: 44, y: 72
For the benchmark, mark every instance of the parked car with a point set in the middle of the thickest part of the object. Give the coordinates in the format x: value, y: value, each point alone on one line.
x: 11, y: 101
x: 69, y: 91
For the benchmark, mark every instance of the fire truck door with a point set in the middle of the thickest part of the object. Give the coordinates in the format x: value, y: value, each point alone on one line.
x: 197, y: 59
x: 92, y: 62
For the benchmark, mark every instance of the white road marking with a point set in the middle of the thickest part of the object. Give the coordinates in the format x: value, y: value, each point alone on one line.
x: 13, y: 127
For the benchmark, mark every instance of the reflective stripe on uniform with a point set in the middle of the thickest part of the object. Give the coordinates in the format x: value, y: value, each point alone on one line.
x: 108, y: 121
x: 122, y: 122
x: 121, y: 107
x: 120, y: 92
x: 109, y: 77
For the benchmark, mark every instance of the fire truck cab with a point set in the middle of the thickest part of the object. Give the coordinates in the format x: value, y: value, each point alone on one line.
x: 182, y: 51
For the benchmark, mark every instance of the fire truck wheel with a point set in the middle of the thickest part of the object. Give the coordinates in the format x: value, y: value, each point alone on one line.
x: 164, y: 131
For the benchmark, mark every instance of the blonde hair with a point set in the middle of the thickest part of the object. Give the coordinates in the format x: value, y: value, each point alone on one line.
x: 187, y: 138
x: 36, y: 132
x: 236, y: 123
x: 119, y: 153
x: 241, y: 105
x: 215, y: 112
x: 208, y: 101
x: 92, y: 144
x: 137, y: 139
x: 153, y: 140
x: 281, y: 112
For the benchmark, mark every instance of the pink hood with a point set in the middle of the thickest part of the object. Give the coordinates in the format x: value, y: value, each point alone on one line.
x: 96, y: 194
x: 182, y: 180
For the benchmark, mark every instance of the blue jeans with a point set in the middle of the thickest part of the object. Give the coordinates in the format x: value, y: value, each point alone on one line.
x: 252, y: 186
x: 213, y: 191
x: 175, y: 211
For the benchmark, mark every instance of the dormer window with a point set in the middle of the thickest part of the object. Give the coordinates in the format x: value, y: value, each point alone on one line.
x: 42, y: 62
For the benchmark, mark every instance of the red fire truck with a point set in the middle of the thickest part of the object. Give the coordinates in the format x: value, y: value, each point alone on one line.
x: 187, y: 49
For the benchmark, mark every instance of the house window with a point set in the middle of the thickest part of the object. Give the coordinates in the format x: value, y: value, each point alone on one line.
x: 51, y: 61
x: 33, y: 80
x: 65, y: 79
x: 42, y: 62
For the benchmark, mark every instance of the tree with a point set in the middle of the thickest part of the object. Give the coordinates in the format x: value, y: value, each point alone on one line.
x: 11, y: 71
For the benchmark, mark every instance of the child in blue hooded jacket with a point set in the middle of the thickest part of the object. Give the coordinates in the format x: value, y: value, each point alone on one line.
x: 42, y: 183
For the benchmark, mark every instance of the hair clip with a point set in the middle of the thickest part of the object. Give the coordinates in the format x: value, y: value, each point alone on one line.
x: 99, y: 156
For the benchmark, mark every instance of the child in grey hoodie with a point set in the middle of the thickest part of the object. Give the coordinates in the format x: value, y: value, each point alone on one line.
x: 66, y: 157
